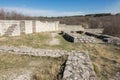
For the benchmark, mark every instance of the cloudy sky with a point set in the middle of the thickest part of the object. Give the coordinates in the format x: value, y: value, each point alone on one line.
x: 61, y: 7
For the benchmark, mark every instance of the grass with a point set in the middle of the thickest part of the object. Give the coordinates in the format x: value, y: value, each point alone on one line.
x: 31, y: 40
x: 37, y: 40
x: 43, y: 68
x: 105, y: 57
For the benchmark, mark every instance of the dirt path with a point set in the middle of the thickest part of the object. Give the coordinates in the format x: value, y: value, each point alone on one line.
x: 54, y: 40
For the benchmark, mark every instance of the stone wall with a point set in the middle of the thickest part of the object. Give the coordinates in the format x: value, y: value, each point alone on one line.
x: 100, y: 30
x: 106, y: 38
x: 46, y: 26
x: 5, y: 24
x: 16, y: 31
x: 0, y: 29
x: 78, y: 65
x: 26, y: 27
x: 78, y: 38
x: 64, y: 27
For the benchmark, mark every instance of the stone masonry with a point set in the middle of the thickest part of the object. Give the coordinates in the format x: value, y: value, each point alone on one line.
x: 78, y: 38
x: 17, y: 27
x: 78, y: 65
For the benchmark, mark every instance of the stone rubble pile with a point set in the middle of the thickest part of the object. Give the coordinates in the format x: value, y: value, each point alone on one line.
x: 78, y: 65
x: 113, y: 40
x: 84, y: 39
x: 77, y: 38
x: 31, y: 51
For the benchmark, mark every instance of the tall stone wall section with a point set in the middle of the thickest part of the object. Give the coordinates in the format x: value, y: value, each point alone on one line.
x: 16, y: 31
x: 0, y: 29
x: 5, y: 24
x: 26, y: 26
x: 46, y: 26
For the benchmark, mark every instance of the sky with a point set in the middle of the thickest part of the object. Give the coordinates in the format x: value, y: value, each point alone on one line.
x: 61, y: 7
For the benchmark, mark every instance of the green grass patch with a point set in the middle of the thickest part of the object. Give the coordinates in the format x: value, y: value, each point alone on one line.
x: 35, y: 40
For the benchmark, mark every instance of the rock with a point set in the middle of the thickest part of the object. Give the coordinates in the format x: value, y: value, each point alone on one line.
x: 67, y: 74
x: 80, y: 71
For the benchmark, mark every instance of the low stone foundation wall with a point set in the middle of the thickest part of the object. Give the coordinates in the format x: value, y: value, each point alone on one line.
x: 78, y: 65
x: 98, y: 30
x: 64, y: 27
x: 68, y: 37
x: 76, y: 38
x: 105, y: 38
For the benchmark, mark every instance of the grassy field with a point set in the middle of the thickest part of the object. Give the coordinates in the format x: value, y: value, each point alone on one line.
x: 37, y: 40
x: 105, y: 57
x: 41, y: 68
x: 32, y: 40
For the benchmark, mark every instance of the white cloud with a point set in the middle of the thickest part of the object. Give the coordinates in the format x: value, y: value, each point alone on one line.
x: 114, y: 8
x: 38, y: 12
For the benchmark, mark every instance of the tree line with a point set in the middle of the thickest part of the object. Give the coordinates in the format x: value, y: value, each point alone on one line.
x: 110, y: 23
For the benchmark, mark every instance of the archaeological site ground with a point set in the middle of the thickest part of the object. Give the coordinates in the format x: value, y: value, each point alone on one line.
x: 59, y: 46
x: 35, y: 50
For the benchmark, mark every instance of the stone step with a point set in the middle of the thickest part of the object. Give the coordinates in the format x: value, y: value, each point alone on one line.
x: 10, y: 30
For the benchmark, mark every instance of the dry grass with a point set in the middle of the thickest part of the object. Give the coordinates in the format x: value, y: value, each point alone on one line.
x: 42, y: 68
x: 35, y: 40
x: 105, y: 57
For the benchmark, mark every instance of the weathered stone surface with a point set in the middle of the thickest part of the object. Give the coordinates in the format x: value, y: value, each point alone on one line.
x: 78, y: 65
x: 26, y: 26
x: 76, y: 38
x: 113, y: 40
x: 78, y: 69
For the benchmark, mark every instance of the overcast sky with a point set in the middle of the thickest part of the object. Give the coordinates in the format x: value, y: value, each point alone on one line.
x: 61, y: 7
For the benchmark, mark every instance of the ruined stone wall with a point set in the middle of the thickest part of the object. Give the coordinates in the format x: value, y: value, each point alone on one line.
x: 100, y: 30
x: 0, y: 29
x: 17, y: 27
x: 16, y: 31
x: 5, y: 24
x: 64, y: 27
x: 46, y: 26
x: 28, y: 27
